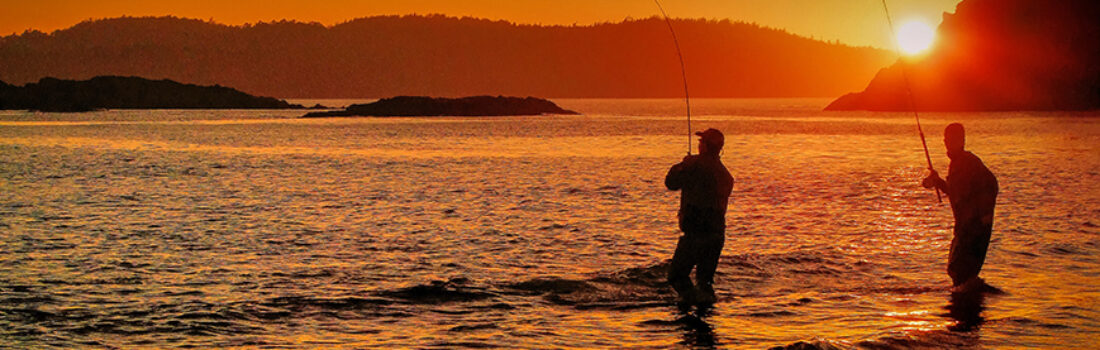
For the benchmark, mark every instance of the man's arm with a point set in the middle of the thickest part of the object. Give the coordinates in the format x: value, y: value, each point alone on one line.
x: 934, y: 180
x: 674, y: 180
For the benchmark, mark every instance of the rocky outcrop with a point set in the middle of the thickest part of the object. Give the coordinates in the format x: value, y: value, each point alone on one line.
x: 110, y: 92
x: 5, y: 90
x: 998, y: 55
x: 433, y: 106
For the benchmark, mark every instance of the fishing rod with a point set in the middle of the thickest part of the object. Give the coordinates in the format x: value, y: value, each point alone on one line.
x: 683, y: 72
x: 909, y: 94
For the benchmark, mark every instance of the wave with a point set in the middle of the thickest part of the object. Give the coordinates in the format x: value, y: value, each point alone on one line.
x: 626, y: 289
x: 31, y: 311
x: 739, y: 275
x: 440, y: 292
x: 810, y: 345
x: 937, y: 339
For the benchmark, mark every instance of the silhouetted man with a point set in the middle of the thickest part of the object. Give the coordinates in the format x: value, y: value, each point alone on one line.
x: 972, y: 190
x: 705, y: 187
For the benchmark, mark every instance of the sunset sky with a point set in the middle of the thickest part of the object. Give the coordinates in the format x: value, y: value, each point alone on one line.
x: 856, y: 22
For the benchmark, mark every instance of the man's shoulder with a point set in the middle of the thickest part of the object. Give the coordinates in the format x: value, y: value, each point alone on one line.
x: 971, y: 156
x: 725, y: 170
x: 975, y: 161
x: 966, y: 159
x: 970, y: 166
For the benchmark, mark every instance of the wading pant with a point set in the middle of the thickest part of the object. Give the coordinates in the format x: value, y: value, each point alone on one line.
x: 700, y: 251
x: 968, y: 250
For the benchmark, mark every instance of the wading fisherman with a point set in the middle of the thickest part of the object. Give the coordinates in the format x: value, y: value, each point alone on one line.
x: 972, y: 190
x: 705, y: 186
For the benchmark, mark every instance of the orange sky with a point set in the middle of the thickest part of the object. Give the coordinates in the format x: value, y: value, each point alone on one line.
x: 857, y: 22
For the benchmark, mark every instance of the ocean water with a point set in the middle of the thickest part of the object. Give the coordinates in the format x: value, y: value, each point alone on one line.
x: 256, y: 230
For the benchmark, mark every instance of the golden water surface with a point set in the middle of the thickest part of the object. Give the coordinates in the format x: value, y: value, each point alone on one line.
x: 254, y: 229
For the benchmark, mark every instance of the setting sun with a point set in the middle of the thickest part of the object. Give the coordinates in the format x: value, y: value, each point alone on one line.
x: 915, y: 36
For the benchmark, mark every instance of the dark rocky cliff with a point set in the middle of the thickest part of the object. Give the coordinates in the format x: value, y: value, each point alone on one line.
x: 998, y: 55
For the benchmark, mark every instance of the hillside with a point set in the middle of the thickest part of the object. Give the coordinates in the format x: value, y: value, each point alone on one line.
x: 446, y: 56
x: 999, y: 55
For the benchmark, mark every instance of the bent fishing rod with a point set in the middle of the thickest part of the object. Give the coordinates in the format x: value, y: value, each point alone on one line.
x: 909, y: 94
x: 683, y: 72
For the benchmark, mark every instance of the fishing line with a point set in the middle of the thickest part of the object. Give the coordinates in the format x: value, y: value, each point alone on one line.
x: 683, y: 72
x: 909, y: 93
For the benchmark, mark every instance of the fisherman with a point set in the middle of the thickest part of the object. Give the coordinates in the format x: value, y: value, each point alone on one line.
x: 972, y: 190
x: 705, y: 187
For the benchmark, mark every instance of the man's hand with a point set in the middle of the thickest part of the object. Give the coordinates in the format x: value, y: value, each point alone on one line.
x: 689, y: 159
x: 932, y: 180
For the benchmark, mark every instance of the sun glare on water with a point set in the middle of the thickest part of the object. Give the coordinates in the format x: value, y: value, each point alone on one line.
x: 915, y: 37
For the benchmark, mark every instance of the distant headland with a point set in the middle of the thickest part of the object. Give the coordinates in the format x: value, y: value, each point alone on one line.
x: 436, y: 55
x: 112, y: 92
x: 998, y: 55
x: 434, y: 106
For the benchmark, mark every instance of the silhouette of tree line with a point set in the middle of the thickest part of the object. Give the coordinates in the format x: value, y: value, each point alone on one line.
x: 446, y: 56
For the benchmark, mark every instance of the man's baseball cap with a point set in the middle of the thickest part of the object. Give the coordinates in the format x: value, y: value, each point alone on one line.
x: 712, y: 137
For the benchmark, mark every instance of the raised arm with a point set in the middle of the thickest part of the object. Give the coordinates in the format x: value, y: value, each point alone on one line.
x: 677, y: 174
x: 674, y: 180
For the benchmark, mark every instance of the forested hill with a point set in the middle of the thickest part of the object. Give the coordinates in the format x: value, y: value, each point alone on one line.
x: 446, y: 56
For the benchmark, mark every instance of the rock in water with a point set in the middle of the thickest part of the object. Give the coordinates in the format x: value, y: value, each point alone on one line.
x: 998, y: 55
x: 5, y: 90
x: 112, y: 92
x: 409, y: 106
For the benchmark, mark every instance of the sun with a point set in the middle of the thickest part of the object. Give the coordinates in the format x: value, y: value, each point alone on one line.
x: 915, y: 36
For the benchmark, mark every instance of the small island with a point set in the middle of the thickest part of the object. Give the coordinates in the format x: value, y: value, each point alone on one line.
x: 474, y: 106
x: 114, y: 92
